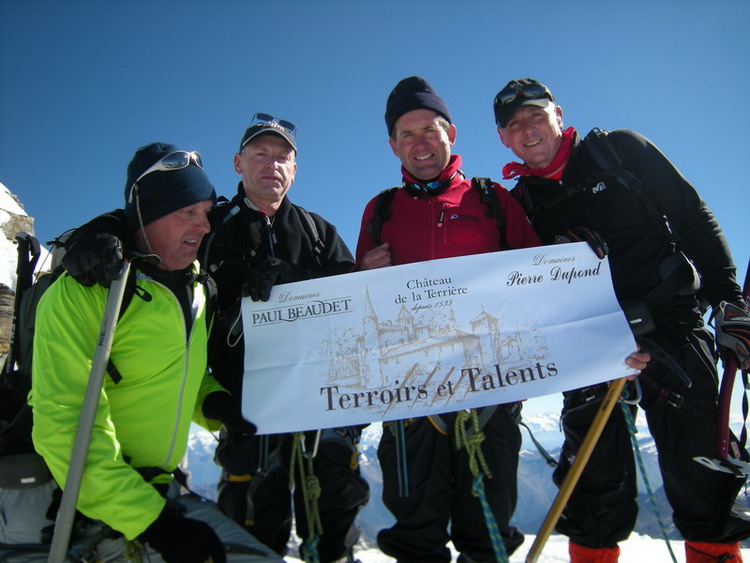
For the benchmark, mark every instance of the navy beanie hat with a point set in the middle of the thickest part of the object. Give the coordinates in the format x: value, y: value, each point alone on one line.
x: 410, y: 94
x: 162, y: 192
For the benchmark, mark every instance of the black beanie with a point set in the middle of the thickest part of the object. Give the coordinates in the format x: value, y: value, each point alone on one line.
x: 163, y: 191
x: 410, y: 94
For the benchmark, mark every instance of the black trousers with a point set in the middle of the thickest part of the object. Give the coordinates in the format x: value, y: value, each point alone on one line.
x: 682, y: 420
x: 262, y: 502
x: 440, y: 506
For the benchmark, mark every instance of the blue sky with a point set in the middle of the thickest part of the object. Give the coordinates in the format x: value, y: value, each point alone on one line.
x: 84, y: 83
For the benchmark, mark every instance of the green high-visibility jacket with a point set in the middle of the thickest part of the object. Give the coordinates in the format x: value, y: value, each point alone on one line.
x: 144, y: 418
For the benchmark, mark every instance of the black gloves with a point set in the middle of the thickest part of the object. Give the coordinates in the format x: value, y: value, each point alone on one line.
x: 183, y: 540
x: 94, y: 258
x: 268, y: 273
x: 733, y: 331
x: 583, y: 234
x: 228, y: 409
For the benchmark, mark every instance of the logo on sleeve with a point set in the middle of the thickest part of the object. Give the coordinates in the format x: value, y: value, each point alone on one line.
x: 600, y: 187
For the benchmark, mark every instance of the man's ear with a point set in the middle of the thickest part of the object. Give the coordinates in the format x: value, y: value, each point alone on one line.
x: 452, y: 133
x: 559, y: 115
x: 236, y: 162
x: 503, y: 138
x: 393, y: 145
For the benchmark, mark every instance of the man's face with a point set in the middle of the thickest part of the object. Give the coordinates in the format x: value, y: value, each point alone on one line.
x: 267, y: 165
x: 175, y: 238
x: 534, y: 134
x: 422, y: 144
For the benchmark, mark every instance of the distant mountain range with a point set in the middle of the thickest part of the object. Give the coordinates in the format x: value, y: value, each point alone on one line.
x: 535, y: 488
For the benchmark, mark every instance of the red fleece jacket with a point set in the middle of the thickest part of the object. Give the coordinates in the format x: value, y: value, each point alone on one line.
x: 450, y: 223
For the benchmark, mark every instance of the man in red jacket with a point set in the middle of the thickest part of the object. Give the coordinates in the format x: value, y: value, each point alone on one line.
x: 439, y: 214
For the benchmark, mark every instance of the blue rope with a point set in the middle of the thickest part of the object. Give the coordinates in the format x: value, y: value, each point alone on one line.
x: 311, y: 551
x: 498, y: 546
x: 402, y: 465
x: 472, y: 441
x: 632, y: 430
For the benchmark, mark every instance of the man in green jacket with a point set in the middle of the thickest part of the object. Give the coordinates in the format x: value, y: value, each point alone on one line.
x: 161, y: 383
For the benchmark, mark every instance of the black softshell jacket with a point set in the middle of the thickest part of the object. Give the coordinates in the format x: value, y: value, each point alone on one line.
x: 637, y: 244
x: 241, y: 243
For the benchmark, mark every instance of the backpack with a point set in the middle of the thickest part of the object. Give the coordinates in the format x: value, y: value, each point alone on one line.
x: 610, y: 165
x: 677, y: 272
x: 20, y: 465
x: 15, y: 380
x: 487, y: 195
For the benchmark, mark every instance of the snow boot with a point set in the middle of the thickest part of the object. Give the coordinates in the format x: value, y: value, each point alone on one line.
x: 583, y: 554
x: 701, y: 552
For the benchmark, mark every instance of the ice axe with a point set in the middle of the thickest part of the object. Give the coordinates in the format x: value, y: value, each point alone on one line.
x: 66, y: 513
x: 723, y: 462
x: 576, y: 469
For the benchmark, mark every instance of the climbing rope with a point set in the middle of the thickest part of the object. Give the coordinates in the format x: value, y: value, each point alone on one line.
x: 472, y: 439
x: 302, y: 461
x: 652, y: 501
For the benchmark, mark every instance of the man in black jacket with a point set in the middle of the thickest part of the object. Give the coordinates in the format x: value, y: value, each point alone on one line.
x: 260, y: 239
x: 663, y: 243
x: 269, y: 240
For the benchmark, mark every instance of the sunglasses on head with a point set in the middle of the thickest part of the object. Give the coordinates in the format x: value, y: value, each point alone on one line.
x: 173, y: 161
x: 259, y: 118
x: 533, y: 91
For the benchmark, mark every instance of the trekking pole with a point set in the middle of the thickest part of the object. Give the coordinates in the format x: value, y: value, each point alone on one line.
x: 575, y: 471
x: 66, y: 513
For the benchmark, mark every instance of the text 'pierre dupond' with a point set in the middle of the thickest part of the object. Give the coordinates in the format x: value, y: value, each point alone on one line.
x: 566, y: 273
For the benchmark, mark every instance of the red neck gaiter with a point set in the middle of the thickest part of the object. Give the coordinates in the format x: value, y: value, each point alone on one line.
x: 554, y: 170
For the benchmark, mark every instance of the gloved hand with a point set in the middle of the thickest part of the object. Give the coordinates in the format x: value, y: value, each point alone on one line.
x: 183, y: 540
x: 268, y: 273
x: 94, y: 258
x: 228, y: 409
x: 733, y: 331
x: 584, y: 234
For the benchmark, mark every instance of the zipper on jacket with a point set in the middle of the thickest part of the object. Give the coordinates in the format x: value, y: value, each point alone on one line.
x: 271, y: 235
x: 185, y: 369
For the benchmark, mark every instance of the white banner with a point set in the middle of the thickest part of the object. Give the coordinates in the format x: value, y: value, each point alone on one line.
x: 431, y: 337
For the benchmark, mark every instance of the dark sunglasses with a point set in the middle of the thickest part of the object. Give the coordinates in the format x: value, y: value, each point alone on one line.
x: 259, y: 118
x: 532, y: 91
x: 173, y: 161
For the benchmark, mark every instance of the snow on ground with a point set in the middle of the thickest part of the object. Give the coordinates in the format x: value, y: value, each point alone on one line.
x: 638, y: 549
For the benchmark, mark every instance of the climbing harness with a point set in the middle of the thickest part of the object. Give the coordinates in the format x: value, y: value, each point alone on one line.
x: 302, y: 461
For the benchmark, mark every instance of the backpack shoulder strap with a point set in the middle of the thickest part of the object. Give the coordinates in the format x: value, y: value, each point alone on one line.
x: 212, y: 250
x: 381, y: 215
x: 312, y: 230
x: 489, y: 197
x: 211, y: 295
x: 606, y: 158
x: 127, y: 297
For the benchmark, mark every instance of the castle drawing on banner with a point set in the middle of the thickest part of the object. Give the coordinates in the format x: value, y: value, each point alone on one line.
x: 429, y: 347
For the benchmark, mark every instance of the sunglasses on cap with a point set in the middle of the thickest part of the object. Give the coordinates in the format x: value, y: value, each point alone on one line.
x: 260, y: 118
x: 531, y: 91
x: 173, y: 161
